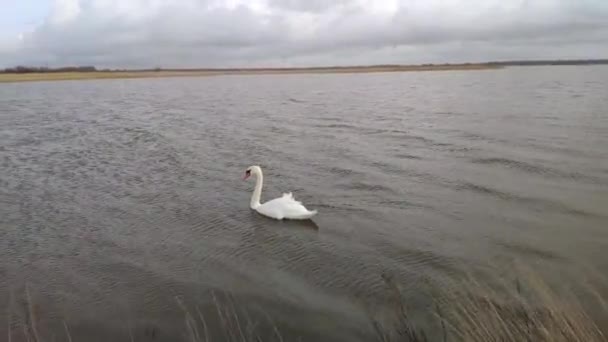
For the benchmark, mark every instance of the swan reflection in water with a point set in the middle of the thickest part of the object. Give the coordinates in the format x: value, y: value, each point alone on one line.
x: 309, y: 224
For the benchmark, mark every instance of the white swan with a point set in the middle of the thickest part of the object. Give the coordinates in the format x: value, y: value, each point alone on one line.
x: 285, y: 207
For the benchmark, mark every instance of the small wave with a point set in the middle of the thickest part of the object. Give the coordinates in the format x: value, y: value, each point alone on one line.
x: 407, y: 156
x: 329, y: 118
x: 335, y: 170
x: 280, y: 130
x: 341, y: 207
x: 365, y: 187
x: 520, y: 249
x: 532, y: 203
x: 531, y: 168
x: 406, y: 139
x: 387, y: 168
x: 548, y: 117
x: 402, y: 204
x: 417, y: 138
x: 417, y: 258
x: 486, y: 191
x: 371, y: 131
x: 337, y: 125
x: 510, y: 163
x: 448, y: 113
x: 480, y: 137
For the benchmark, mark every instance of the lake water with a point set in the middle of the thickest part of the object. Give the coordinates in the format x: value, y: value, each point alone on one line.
x: 119, y: 198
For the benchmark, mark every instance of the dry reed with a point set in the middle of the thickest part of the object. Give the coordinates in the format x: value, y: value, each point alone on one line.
x: 527, y: 311
x: 480, y: 312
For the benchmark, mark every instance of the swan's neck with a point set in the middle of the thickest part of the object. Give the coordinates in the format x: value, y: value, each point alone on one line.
x: 257, y: 192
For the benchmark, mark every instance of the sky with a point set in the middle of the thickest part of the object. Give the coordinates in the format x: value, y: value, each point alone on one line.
x: 281, y: 33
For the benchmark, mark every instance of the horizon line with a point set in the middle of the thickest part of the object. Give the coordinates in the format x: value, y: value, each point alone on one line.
x: 514, y: 62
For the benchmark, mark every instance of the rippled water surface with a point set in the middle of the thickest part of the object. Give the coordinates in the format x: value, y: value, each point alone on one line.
x: 119, y: 198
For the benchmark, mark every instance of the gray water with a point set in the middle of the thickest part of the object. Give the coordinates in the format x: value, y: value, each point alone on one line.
x: 117, y: 197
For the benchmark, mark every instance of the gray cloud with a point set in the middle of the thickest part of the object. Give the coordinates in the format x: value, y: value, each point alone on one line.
x: 313, y: 6
x: 189, y: 33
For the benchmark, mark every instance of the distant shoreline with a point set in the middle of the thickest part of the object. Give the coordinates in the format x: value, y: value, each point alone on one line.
x: 92, y: 73
x: 125, y: 74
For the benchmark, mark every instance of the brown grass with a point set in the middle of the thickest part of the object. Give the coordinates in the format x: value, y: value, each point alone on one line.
x: 535, y: 313
x: 235, y: 323
x: 528, y: 311
x: 478, y: 312
x: 59, y: 76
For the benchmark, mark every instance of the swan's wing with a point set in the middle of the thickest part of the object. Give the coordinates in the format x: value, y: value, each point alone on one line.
x: 285, y: 207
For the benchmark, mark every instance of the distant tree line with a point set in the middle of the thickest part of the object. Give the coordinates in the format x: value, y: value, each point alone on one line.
x: 29, y: 69
x: 551, y: 62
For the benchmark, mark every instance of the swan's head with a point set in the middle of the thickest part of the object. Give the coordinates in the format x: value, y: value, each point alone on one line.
x: 252, y: 170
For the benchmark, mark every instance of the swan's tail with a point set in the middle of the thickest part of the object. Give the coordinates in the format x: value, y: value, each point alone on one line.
x: 305, y: 216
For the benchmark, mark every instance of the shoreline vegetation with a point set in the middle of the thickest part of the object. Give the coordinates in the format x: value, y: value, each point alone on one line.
x: 525, y: 310
x: 28, y: 74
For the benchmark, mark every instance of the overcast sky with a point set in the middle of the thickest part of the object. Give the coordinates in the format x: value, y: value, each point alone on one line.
x: 213, y: 33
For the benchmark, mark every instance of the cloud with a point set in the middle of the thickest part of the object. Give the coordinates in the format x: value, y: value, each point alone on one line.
x: 311, y: 6
x: 189, y: 33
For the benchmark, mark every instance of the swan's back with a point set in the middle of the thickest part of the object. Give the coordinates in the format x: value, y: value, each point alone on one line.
x: 285, y: 207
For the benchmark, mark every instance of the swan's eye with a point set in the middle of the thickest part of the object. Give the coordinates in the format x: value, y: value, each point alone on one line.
x: 248, y: 172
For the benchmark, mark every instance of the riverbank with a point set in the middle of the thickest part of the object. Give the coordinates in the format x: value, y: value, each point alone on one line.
x: 62, y: 76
